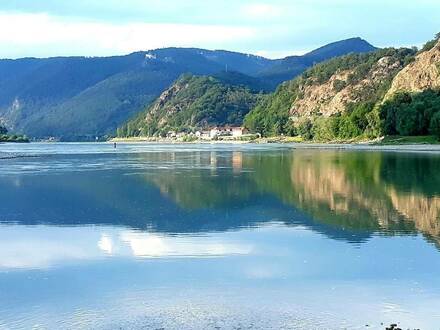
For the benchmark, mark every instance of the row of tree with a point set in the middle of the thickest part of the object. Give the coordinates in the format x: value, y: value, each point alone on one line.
x: 406, y: 114
x: 5, y: 137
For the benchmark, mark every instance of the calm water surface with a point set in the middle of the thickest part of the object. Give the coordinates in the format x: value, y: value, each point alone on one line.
x: 217, y: 237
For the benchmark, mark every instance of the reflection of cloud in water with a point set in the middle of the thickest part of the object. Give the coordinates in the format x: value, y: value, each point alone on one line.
x: 37, y: 247
x: 151, y: 245
x: 106, y: 244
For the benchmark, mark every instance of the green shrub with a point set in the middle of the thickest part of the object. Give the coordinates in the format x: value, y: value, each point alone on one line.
x: 434, y: 126
x: 326, y: 129
x: 347, y: 128
x: 410, y: 114
x: 304, y: 128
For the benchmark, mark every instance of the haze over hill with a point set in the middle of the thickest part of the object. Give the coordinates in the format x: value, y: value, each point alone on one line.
x: 79, y: 98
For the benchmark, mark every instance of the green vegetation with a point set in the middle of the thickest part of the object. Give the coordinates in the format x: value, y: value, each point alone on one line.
x: 271, y: 116
x: 81, y: 98
x: 292, y: 66
x: 294, y: 110
x: 406, y: 114
x: 380, y: 192
x: 4, y: 137
x: 430, y: 44
x: 361, y: 64
x: 193, y: 103
x: 412, y: 114
x: 398, y: 140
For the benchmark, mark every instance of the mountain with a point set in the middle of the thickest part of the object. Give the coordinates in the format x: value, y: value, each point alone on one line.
x: 289, y: 67
x: 191, y: 103
x: 78, y: 98
x: 422, y: 74
x: 365, y: 95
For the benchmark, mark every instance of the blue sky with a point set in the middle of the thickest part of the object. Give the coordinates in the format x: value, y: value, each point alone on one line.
x: 273, y: 28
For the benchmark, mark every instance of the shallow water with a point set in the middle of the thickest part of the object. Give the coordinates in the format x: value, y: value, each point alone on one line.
x: 152, y: 236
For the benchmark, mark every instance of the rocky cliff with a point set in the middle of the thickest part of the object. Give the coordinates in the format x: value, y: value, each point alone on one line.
x: 345, y: 87
x: 423, y: 73
x: 329, y: 88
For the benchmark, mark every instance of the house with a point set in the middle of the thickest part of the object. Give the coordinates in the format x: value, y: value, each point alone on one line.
x: 171, y: 134
x: 227, y: 131
x: 238, y: 131
x: 180, y: 135
x: 214, y: 132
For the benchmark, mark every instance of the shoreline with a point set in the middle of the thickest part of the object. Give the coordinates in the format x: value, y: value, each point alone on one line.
x: 355, y: 146
x: 435, y: 148
x: 377, y: 144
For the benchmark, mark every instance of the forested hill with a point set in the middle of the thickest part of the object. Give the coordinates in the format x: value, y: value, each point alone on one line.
x: 78, y: 98
x: 385, y: 92
x: 192, y: 103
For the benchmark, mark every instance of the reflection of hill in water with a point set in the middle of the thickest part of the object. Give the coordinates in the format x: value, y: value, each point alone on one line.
x: 343, y: 195
x: 356, y: 191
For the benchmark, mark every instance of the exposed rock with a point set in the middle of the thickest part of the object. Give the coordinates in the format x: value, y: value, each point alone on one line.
x: 422, y: 74
x: 334, y: 95
x: 163, y: 100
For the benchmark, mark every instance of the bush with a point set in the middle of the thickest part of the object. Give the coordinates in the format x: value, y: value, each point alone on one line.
x: 410, y: 114
x: 434, y: 126
x: 347, y: 128
x: 374, y: 127
x: 407, y: 121
x: 326, y: 129
x: 304, y: 128
x: 430, y: 44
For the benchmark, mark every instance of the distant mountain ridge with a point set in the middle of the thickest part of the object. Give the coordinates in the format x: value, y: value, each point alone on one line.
x: 291, y: 66
x: 79, y: 98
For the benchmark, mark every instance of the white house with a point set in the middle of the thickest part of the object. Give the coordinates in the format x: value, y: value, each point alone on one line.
x: 238, y: 131
x: 214, y: 132
x: 227, y: 131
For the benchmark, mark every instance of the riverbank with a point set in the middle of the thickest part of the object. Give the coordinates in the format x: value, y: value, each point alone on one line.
x: 383, y: 141
x: 395, y: 144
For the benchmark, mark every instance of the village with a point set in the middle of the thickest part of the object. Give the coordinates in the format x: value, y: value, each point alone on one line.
x: 215, y: 133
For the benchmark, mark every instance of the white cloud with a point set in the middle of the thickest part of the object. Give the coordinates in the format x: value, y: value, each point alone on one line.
x: 262, y: 11
x: 41, y: 33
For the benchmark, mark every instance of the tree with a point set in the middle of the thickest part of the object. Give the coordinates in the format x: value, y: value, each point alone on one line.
x: 304, y: 128
x: 407, y: 122
x: 434, y: 126
x: 3, y: 130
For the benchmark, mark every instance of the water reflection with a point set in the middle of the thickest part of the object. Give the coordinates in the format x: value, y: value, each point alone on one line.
x: 40, y: 246
x: 347, y: 195
x: 359, y: 191
x: 227, y: 237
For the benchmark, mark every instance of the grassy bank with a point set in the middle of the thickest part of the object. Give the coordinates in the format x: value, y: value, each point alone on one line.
x: 398, y: 140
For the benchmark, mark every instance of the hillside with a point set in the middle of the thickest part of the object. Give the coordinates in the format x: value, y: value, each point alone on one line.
x: 79, y: 98
x: 289, y: 67
x: 191, y: 103
x: 327, y: 89
x: 358, y: 96
x: 422, y: 74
